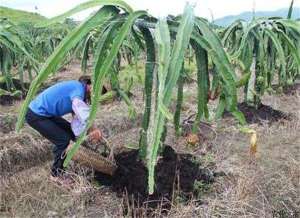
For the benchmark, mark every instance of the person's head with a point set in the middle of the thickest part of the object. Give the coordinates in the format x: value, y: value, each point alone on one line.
x: 86, y: 80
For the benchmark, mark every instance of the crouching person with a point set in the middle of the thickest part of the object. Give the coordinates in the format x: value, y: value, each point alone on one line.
x: 45, y: 116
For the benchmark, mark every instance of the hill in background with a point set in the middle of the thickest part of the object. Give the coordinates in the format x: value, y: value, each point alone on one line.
x: 247, y: 16
x: 19, y: 16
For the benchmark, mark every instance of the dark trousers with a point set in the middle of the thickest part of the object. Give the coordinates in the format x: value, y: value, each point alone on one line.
x: 58, y: 131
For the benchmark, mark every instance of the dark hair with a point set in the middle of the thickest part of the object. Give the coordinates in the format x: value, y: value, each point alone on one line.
x: 85, y: 80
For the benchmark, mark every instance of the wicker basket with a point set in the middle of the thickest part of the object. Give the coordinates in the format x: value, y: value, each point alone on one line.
x: 87, y: 157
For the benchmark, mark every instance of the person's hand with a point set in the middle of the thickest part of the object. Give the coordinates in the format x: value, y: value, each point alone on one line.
x: 95, y: 136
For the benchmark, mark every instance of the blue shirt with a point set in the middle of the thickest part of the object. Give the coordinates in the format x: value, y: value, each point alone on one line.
x: 57, y: 99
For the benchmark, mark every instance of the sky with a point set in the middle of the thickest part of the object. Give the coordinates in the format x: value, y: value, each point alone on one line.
x: 158, y: 8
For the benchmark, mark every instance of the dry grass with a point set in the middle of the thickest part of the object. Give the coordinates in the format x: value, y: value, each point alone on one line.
x: 264, y: 187
x: 22, y: 151
x: 31, y: 193
x: 268, y: 186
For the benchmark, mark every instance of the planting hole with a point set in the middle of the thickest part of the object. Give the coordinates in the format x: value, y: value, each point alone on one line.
x: 177, y: 177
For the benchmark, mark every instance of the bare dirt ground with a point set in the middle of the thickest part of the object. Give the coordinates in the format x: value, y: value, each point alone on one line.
x: 265, y: 186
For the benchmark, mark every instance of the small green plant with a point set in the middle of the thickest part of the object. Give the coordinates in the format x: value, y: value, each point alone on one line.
x: 208, y: 160
x: 201, y: 188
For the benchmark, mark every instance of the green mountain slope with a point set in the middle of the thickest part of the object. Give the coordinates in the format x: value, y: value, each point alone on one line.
x: 19, y: 16
x: 247, y: 16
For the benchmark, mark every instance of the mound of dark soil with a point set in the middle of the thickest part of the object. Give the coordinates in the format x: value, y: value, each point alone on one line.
x: 16, y: 83
x: 292, y: 90
x: 175, y: 176
x: 8, y: 100
x: 263, y: 113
